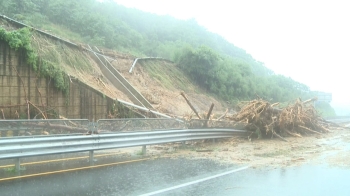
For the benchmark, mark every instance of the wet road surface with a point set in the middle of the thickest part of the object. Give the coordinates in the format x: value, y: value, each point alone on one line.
x: 152, y: 175
x: 128, y: 179
x: 305, y: 180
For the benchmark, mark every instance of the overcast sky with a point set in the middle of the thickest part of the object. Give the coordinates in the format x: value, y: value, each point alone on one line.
x: 308, y: 41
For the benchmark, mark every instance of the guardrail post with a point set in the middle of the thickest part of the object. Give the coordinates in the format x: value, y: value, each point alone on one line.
x: 17, y: 165
x: 91, y: 157
x: 92, y: 127
x: 144, y: 150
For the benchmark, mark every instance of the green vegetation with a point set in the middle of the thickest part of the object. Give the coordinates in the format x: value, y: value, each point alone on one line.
x: 233, y: 79
x: 13, y: 169
x: 21, y: 40
x: 139, y: 153
x: 216, y: 65
x: 325, y: 109
x: 170, y: 77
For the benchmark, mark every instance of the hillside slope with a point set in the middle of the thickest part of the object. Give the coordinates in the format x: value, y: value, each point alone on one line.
x: 159, y: 81
x: 56, y: 56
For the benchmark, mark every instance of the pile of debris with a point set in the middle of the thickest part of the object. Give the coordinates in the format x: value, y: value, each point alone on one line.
x: 266, y: 120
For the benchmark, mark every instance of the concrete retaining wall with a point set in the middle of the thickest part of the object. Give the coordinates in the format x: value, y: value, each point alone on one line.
x: 82, y: 101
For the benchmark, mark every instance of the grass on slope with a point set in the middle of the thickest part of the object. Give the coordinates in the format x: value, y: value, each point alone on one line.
x: 168, y: 75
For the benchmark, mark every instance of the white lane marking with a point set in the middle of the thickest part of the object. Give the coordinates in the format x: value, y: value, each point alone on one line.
x: 194, y: 182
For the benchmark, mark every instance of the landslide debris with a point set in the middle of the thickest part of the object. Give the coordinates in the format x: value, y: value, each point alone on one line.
x: 266, y: 120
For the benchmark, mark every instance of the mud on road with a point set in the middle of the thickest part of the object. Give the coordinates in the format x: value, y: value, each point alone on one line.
x: 332, y: 148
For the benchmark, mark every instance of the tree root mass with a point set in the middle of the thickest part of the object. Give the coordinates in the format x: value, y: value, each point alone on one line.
x: 265, y: 120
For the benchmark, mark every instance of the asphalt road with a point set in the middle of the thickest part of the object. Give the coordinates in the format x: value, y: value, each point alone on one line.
x: 160, y: 174
x: 127, y: 179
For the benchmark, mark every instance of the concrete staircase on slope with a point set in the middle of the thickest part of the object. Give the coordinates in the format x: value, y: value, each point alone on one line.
x: 120, y: 82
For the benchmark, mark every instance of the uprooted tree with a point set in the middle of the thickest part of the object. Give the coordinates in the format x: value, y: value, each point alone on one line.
x: 266, y: 120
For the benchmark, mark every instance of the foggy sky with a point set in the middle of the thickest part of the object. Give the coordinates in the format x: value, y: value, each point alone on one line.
x: 308, y: 41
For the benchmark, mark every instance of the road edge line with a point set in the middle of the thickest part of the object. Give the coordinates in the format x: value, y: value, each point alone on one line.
x: 195, y: 182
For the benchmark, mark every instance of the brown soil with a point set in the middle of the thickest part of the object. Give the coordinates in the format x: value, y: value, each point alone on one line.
x: 331, y: 148
x: 163, y: 88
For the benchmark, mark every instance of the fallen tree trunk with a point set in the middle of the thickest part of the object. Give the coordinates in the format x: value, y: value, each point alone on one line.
x: 223, y: 115
x: 310, y: 130
x: 280, y: 137
x: 191, y: 106
x: 210, y: 110
x: 293, y: 134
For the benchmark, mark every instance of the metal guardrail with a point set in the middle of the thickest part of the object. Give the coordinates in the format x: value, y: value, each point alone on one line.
x: 28, y: 138
x: 20, y: 128
x: 58, y: 144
